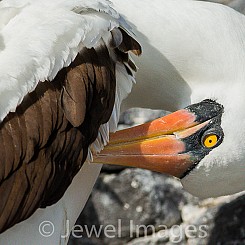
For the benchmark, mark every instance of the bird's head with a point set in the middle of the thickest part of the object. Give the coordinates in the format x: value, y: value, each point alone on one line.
x: 195, y: 144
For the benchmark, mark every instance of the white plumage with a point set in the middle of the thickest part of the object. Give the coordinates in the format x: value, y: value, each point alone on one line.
x: 41, y: 38
x: 191, y: 51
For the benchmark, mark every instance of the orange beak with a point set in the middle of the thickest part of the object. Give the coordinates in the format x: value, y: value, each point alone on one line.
x: 157, y: 145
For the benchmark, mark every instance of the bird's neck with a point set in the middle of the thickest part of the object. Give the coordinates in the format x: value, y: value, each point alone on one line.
x: 188, y: 51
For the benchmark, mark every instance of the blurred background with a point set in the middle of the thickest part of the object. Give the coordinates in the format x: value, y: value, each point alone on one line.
x: 139, y: 207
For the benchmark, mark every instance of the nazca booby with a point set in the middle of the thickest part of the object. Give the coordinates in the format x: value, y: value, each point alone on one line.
x: 193, y: 51
x: 178, y: 72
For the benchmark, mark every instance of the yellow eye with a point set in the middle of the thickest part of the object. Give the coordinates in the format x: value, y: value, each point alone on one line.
x: 210, y: 140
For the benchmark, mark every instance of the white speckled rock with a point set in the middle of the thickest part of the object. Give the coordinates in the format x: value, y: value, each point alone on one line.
x: 138, y: 198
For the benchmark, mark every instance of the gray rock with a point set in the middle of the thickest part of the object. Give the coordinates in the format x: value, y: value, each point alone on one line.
x: 137, y: 116
x: 238, y: 5
x: 136, y: 202
x: 222, y: 223
x: 229, y: 223
x: 155, y: 239
x: 83, y: 241
x: 174, y: 235
x: 203, y: 225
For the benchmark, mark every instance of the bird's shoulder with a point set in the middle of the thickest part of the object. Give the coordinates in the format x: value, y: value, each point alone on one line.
x: 61, y: 74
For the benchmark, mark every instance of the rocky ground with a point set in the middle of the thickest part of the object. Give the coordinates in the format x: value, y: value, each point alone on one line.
x: 139, y: 207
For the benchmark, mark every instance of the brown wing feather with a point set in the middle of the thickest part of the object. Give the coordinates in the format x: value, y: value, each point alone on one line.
x: 45, y: 142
